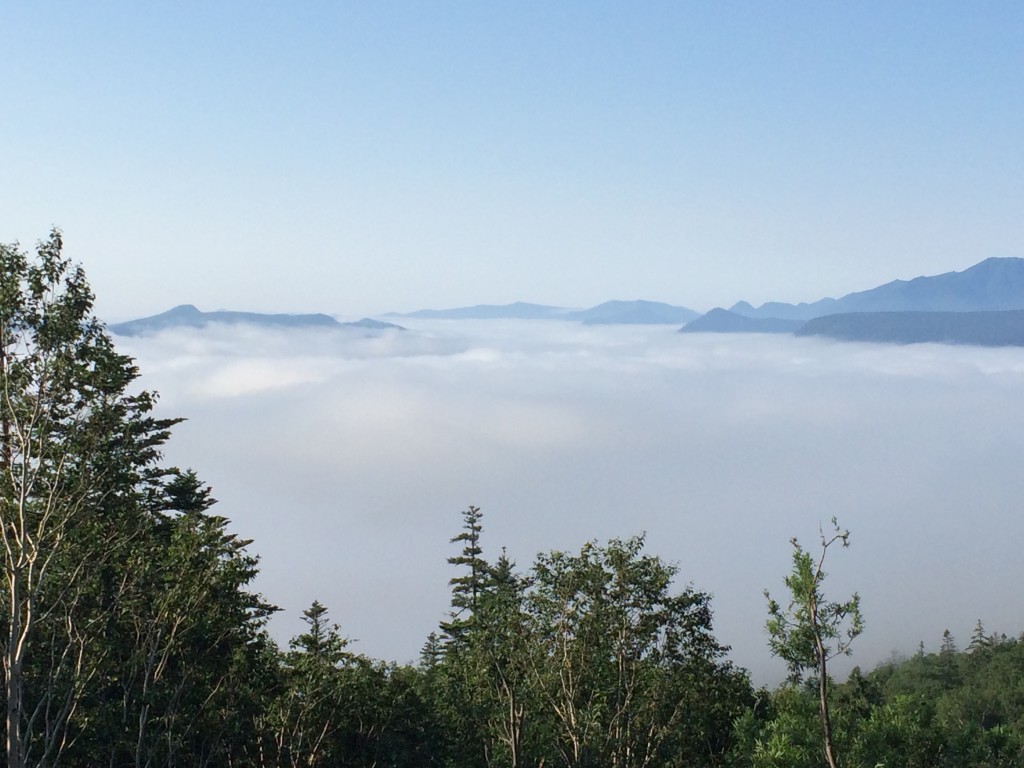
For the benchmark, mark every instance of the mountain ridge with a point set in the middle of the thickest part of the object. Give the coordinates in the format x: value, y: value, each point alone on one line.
x: 189, y: 316
x: 994, y: 284
x: 983, y: 305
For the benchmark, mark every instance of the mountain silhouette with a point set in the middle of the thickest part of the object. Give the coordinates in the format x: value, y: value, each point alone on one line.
x: 994, y: 284
x: 188, y: 316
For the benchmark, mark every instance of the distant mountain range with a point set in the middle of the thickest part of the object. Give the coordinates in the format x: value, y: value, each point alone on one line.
x: 617, y: 312
x: 982, y: 305
x: 188, y: 316
x: 991, y: 285
x: 610, y: 312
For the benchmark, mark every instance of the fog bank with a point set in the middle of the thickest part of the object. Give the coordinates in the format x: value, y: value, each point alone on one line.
x: 348, y: 460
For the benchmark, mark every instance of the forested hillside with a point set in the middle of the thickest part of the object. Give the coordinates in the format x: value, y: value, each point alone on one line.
x: 133, y: 636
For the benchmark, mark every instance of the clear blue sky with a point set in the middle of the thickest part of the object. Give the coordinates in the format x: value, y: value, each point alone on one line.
x: 362, y: 157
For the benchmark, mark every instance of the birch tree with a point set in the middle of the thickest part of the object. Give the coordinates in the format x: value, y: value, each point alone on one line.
x: 72, y: 441
x: 811, y: 631
x: 624, y: 658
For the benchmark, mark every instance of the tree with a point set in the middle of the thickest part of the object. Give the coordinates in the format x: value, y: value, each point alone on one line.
x: 468, y: 587
x: 980, y: 642
x: 456, y: 686
x: 306, y: 718
x: 626, y: 664
x: 183, y: 640
x: 948, y: 646
x: 73, y: 445
x: 812, y: 631
x: 503, y: 649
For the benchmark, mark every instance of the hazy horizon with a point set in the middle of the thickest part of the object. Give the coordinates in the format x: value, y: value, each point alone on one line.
x: 348, y: 317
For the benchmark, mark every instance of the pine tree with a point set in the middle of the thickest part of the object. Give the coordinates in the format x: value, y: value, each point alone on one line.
x: 467, y: 588
x: 948, y: 646
x: 455, y: 683
x: 948, y: 671
x: 305, y: 720
x: 980, y: 642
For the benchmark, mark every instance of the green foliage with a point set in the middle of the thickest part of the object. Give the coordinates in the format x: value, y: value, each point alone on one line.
x: 812, y: 631
x: 590, y: 659
x: 898, y: 732
x: 468, y: 587
x: 625, y: 663
x: 904, y: 713
x: 78, y: 457
x: 787, y: 736
x: 977, y: 705
x: 129, y: 631
x: 178, y: 639
x: 634, y: 659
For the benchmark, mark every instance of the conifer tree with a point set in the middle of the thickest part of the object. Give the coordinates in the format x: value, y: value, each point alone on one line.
x: 948, y: 646
x: 456, y: 689
x: 980, y: 642
x: 467, y: 588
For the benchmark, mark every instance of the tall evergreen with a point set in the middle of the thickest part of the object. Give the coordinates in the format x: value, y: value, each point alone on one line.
x: 455, y: 691
x: 466, y: 588
x: 980, y: 642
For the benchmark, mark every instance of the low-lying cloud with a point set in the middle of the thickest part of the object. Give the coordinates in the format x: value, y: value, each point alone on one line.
x: 348, y: 458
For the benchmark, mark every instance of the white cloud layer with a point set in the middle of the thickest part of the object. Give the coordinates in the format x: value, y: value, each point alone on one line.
x: 349, y: 459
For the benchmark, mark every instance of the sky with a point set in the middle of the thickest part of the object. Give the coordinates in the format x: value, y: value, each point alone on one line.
x: 358, y: 158
x: 349, y: 459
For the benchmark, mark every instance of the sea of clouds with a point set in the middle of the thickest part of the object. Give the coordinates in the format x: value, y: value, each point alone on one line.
x: 348, y: 458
